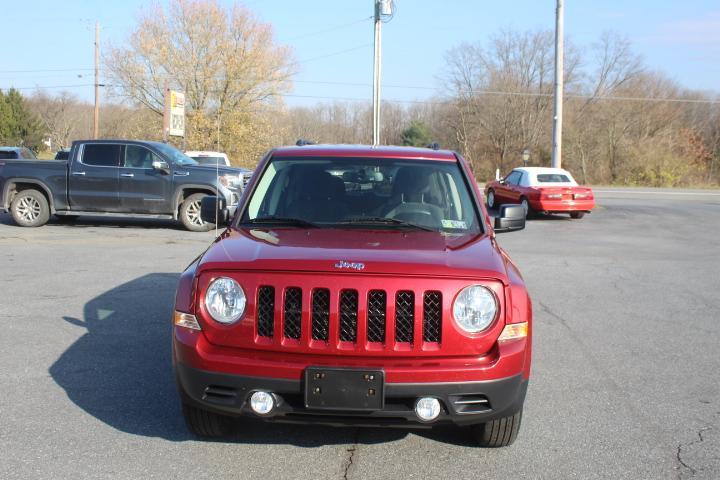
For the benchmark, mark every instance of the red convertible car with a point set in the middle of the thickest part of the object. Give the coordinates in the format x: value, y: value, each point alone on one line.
x: 541, y: 190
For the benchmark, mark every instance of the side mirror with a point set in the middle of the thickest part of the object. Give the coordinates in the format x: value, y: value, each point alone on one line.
x: 214, y: 209
x: 161, y: 165
x: 510, y: 218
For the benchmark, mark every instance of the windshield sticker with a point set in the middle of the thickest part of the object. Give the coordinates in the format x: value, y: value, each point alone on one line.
x: 459, y: 224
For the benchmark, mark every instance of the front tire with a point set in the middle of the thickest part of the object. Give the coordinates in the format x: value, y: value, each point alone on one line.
x: 526, y: 206
x: 498, y: 433
x: 203, y: 423
x: 190, y: 214
x: 491, y: 199
x: 30, y: 208
x: 577, y: 215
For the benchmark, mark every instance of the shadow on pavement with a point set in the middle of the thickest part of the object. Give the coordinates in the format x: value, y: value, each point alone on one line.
x: 101, y: 221
x: 493, y: 212
x: 120, y: 372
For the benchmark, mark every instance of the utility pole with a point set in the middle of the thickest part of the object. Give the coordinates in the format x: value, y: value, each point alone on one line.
x: 559, y: 73
x: 96, y: 116
x: 376, y: 75
x: 383, y: 9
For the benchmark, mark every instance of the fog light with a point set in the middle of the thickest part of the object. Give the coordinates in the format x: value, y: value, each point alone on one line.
x: 262, y: 403
x: 427, y: 409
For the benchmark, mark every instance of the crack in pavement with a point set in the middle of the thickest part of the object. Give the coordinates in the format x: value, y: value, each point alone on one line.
x: 351, y: 451
x: 682, y: 462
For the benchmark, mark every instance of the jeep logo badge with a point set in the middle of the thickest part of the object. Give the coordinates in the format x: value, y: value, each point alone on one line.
x: 351, y: 265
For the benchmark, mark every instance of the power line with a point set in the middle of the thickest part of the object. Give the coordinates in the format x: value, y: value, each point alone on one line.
x: 39, y: 87
x: 48, y: 70
x: 340, y: 52
x: 331, y: 29
x: 433, y: 102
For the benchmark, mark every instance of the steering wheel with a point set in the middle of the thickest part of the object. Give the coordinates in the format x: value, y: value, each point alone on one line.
x: 421, y: 213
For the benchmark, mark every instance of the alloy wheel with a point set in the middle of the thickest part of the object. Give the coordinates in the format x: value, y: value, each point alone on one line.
x: 29, y: 209
x: 193, y: 214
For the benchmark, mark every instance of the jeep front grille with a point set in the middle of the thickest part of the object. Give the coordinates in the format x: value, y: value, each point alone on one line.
x: 293, y: 312
x: 321, y: 314
x: 376, y: 311
x: 348, y: 315
x: 266, y: 311
x: 352, y: 310
x: 432, y: 316
x: 404, y: 316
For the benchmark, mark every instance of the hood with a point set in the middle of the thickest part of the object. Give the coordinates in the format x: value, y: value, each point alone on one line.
x: 354, y: 251
x: 222, y: 169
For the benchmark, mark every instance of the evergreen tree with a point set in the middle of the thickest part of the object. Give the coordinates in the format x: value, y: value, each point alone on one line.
x: 416, y: 135
x: 18, y: 126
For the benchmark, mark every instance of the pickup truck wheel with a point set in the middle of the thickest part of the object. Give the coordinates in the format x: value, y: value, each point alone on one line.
x: 577, y: 215
x: 203, y: 423
x: 498, y: 433
x: 190, y: 214
x: 30, y: 208
x: 491, y: 199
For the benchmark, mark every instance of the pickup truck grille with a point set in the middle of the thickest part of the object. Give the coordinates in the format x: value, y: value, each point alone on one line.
x: 350, y: 306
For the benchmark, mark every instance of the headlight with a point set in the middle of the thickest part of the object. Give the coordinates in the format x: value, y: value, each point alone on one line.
x: 474, y: 309
x: 225, y: 300
x: 231, y: 181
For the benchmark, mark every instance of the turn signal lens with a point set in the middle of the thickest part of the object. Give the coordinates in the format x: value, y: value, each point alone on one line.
x: 514, y: 331
x: 186, y: 320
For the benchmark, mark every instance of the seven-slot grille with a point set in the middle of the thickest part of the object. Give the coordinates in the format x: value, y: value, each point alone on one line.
x: 348, y: 308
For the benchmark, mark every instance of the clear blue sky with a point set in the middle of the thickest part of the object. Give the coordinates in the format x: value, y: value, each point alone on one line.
x: 682, y: 38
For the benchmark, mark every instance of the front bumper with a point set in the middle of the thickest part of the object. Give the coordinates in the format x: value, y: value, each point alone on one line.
x: 229, y: 395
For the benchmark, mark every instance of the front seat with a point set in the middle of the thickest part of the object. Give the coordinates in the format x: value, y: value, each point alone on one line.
x: 412, y: 200
x: 315, y: 195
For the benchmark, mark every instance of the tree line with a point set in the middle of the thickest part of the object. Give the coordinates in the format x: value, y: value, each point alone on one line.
x: 624, y: 123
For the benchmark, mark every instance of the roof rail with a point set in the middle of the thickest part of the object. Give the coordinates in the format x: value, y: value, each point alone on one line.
x: 302, y: 142
x: 433, y: 145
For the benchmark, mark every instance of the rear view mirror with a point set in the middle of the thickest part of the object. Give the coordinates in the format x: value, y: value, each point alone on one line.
x: 214, y: 210
x: 510, y: 218
x: 161, y: 165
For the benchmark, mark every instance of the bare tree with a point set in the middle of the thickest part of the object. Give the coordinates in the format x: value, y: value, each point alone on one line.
x: 64, y: 117
x: 503, y: 89
x: 223, y: 59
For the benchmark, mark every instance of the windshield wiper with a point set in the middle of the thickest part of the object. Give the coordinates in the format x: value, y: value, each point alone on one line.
x: 296, y: 222
x: 385, y: 221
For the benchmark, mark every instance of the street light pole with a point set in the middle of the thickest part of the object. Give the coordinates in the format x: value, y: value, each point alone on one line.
x: 96, y: 113
x: 376, y: 75
x: 383, y: 11
x: 559, y: 72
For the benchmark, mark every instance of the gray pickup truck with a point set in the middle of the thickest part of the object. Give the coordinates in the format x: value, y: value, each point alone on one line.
x: 116, y: 177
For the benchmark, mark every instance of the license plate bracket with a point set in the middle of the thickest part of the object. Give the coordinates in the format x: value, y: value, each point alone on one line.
x: 344, y: 389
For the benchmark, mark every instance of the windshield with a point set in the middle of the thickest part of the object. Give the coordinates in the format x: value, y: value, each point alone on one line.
x: 175, y: 155
x: 362, y: 192
x: 209, y: 160
x: 553, y: 178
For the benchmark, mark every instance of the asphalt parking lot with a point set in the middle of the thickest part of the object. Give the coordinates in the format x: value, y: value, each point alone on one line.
x: 626, y: 375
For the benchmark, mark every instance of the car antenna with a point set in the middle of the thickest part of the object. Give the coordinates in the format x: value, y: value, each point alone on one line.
x: 217, y: 188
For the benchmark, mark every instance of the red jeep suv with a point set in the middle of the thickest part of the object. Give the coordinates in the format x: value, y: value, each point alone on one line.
x: 356, y: 286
